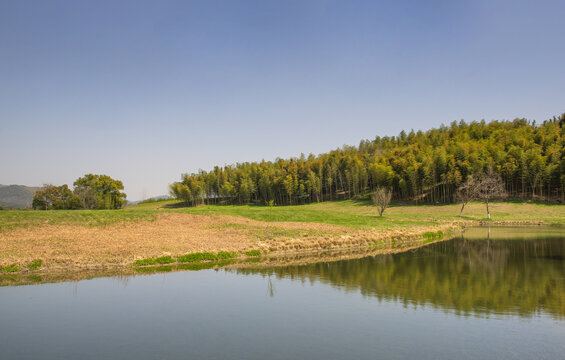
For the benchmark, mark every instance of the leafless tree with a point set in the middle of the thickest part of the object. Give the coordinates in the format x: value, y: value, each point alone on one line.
x: 381, y: 198
x: 489, y: 187
x: 466, y: 193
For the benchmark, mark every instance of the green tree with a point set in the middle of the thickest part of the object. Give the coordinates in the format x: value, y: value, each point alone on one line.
x: 51, y: 197
x: 46, y: 197
x: 99, y: 192
x: 420, y: 166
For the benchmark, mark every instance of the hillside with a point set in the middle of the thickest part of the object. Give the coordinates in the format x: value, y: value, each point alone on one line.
x: 420, y: 167
x: 16, y: 196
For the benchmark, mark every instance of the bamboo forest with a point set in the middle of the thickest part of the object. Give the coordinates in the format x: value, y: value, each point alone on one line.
x: 419, y: 166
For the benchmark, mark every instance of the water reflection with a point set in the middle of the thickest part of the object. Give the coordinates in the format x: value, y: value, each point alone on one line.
x: 506, y: 273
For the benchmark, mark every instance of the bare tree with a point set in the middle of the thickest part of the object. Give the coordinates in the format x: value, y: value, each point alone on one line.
x: 489, y: 187
x: 466, y: 193
x: 381, y: 198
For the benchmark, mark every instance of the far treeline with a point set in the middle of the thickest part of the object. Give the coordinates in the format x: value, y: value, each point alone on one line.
x: 90, y: 192
x: 421, y: 167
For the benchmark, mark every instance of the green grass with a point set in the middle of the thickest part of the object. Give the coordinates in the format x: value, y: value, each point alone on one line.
x: 198, y: 257
x: 226, y: 255
x: 353, y: 214
x: 10, y: 269
x: 35, y: 265
x: 432, y: 236
x: 253, y: 253
x: 297, y: 213
x: 362, y: 215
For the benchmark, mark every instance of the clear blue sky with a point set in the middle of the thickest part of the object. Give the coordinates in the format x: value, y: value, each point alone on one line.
x: 146, y: 90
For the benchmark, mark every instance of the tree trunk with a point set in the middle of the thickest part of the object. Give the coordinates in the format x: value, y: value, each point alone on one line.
x: 461, y: 212
x: 488, y: 212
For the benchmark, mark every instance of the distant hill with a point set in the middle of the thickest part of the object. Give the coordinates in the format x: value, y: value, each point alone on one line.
x: 16, y: 196
x: 150, y: 200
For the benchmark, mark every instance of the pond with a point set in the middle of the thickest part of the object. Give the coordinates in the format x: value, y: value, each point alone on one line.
x: 494, y: 293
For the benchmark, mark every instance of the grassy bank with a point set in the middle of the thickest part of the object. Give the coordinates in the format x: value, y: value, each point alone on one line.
x: 164, y: 232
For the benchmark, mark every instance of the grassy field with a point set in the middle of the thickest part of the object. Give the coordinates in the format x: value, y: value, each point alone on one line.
x: 352, y: 214
x: 61, y: 239
x: 362, y: 215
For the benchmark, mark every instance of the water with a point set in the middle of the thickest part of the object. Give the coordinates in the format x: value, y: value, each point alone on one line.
x: 492, y: 296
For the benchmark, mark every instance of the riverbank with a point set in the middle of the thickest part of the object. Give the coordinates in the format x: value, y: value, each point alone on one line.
x: 161, y: 233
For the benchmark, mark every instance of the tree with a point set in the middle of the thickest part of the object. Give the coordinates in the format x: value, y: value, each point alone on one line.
x: 67, y: 200
x: 55, y: 198
x: 45, y: 197
x: 466, y: 193
x: 381, y: 198
x: 87, y: 197
x: 100, y: 192
x: 489, y: 187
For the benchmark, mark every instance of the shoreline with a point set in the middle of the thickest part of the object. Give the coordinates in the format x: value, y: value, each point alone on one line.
x: 42, y: 243
x: 77, y: 272
x: 273, y: 259
x: 175, y: 235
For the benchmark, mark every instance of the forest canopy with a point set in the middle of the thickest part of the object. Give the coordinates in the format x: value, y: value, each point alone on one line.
x: 419, y: 166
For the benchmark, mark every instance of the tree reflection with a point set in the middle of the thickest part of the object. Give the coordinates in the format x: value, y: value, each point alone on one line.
x: 523, y: 277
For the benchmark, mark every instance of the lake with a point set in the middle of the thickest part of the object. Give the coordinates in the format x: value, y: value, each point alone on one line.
x: 494, y: 293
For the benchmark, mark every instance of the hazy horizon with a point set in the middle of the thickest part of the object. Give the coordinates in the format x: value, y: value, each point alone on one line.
x: 146, y: 91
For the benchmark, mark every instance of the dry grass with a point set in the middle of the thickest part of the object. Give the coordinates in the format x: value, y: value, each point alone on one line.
x: 124, y: 274
x: 175, y: 234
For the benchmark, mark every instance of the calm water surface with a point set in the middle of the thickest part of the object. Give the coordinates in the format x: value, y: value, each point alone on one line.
x: 491, y: 296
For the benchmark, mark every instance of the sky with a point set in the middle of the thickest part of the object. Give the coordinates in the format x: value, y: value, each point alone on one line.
x: 144, y: 91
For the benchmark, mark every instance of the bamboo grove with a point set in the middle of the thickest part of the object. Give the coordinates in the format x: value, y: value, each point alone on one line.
x: 422, y: 167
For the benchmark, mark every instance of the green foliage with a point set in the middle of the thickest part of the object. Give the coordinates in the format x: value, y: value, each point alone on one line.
x: 423, y: 167
x: 197, y: 257
x: 51, y: 197
x: 99, y: 192
x: 35, y: 265
x: 90, y: 192
x: 226, y: 255
x: 253, y: 253
x: 10, y: 268
x: 144, y: 262
x: 188, y: 258
x: 164, y: 260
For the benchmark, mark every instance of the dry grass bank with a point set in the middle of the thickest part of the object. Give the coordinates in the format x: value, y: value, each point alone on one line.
x: 81, y: 247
